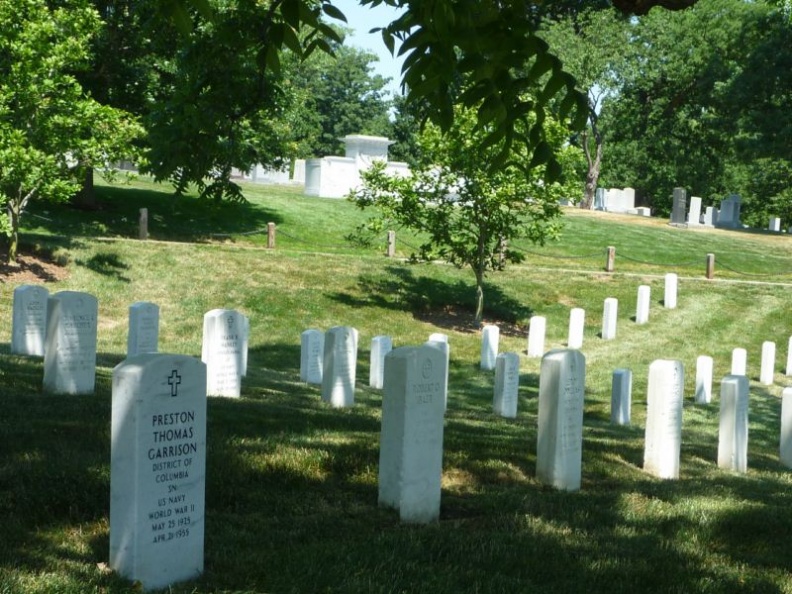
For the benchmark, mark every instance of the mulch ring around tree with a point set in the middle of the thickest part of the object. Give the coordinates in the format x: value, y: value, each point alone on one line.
x: 32, y: 267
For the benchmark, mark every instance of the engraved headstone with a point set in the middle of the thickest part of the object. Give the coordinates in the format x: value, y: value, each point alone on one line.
x: 642, y: 306
x: 577, y: 322
x: 670, y: 291
x: 621, y: 397
x: 143, y: 336
x: 311, y: 355
x: 739, y: 363
x: 380, y: 346
x: 610, y: 311
x: 157, y: 469
x: 507, y: 385
x: 703, y: 379
x: 733, y: 427
x: 224, y: 351
x: 559, y: 444
x: 490, y: 335
x: 339, y: 366
x: 536, y: 336
x: 29, y: 320
x: 70, y: 345
x: 767, y: 369
x: 679, y: 206
x: 441, y: 342
x: 664, y: 419
x: 411, y: 438
x: 786, y: 428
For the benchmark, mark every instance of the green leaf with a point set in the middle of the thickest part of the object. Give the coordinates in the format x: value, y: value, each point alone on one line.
x: 333, y: 12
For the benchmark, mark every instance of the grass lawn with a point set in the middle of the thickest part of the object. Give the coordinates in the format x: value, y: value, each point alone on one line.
x: 291, y: 492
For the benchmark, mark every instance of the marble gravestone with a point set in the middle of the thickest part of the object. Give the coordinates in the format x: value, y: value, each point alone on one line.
x: 694, y: 215
x: 70, y: 345
x: 670, y: 291
x: 621, y: 397
x: 29, y: 320
x: 739, y: 362
x: 733, y: 426
x: 786, y: 428
x: 224, y: 351
x: 703, y: 379
x: 490, y: 337
x: 767, y: 369
x: 642, y: 306
x: 679, y: 207
x: 507, y: 385
x: 380, y: 346
x: 577, y: 322
x: 441, y: 341
x: 311, y: 355
x: 411, y: 437
x: 339, y: 364
x: 143, y: 335
x: 610, y: 311
x: 158, y: 469
x: 664, y: 419
x: 536, y: 336
x: 559, y: 443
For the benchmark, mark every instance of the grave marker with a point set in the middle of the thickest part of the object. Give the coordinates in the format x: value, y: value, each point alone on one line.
x: 143, y: 335
x: 739, y: 362
x: 441, y: 341
x: 490, y: 335
x: 786, y: 428
x: 767, y: 369
x: 670, y: 291
x: 642, y: 307
x: 610, y: 310
x: 70, y: 344
x: 380, y: 346
x: 311, y: 355
x: 507, y: 385
x: 664, y: 419
x: 733, y: 427
x: 29, y: 320
x: 224, y: 351
x: 339, y: 365
x: 679, y: 206
x: 694, y: 216
x: 621, y: 397
x: 536, y: 336
x: 577, y: 322
x: 703, y: 379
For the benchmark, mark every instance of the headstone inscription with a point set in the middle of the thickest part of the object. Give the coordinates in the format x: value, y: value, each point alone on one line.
x: 507, y: 385
x: 679, y: 206
x: 642, y: 307
x: 143, y: 335
x: 664, y: 419
x: 739, y: 362
x: 577, y: 322
x: 536, y: 336
x: 29, y: 320
x: 490, y: 337
x: 380, y: 346
x: 158, y: 469
x: 621, y: 397
x: 767, y: 369
x: 733, y: 427
x: 70, y: 345
x: 441, y: 341
x: 223, y: 351
x: 670, y: 291
x: 311, y: 355
x: 610, y: 311
x: 339, y: 366
x: 703, y: 379
x: 786, y: 428
x: 411, y: 438
x: 559, y: 443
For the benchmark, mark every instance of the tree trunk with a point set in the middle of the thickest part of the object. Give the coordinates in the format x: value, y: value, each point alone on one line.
x: 86, y: 197
x: 13, y: 240
x: 479, y: 297
x: 594, y: 161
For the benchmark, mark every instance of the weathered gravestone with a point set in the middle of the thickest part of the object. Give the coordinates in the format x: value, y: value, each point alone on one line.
x: 703, y: 379
x: 670, y: 291
x: 664, y: 419
x: 339, y: 365
x: 694, y: 216
x: 577, y: 322
x: 729, y: 212
x: 739, y: 363
x: 559, y: 443
x: 642, y: 306
x: 224, y: 351
x: 733, y: 427
x: 311, y: 355
x: 767, y: 369
x: 679, y: 206
x: 70, y: 344
x: 609, y: 313
x: 380, y: 346
x: 411, y: 438
x: 143, y: 336
x: 710, y: 216
x: 29, y: 320
x: 490, y: 336
x: 507, y: 385
x: 775, y: 224
x: 158, y: 469
x: 536, y: 336
x: 441, y: 341
x: 621, y: 397
x: 786, y: 428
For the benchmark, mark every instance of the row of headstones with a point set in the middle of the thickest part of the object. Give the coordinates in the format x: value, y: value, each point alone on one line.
x: 62, y: 328
x: 712, y: 216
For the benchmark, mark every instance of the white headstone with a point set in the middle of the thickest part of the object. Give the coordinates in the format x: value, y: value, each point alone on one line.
x: 710, y: 216
x: 775, y: 224
x: 559, y: 444
x: 339, y: 366
x: 739, y: 362
x: 411, y: 439
x: 490, y: 336
x: 143, y: 336
x: 789, y: 357
x: 577, y: 322
x: 670, y: 291
x: 767, y: 370
x: 507, y: 385
x: 438, y: 337
x: 380, y: 346
x: 610, y: 311
x: 29, y: 320
x: 642, y: 307
x: 536, y: 336
x: 70, y: 345
x: 703, y: 379
x: 157, y: 469
x: 621, y: 397
x: 223, y: 351
x: 733, y: 428
x: 441, y: 342
x: 694, y: 215
x: 664, y: 419
x: 311, y: 355
x: 786, y: 427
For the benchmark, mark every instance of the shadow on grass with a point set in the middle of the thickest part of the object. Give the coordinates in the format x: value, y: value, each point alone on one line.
x: 107, y: 264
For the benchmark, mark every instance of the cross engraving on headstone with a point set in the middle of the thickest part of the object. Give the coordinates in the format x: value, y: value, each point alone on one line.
x: 173, y: 381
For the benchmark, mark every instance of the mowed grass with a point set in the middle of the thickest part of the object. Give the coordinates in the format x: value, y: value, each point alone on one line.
x: 292, y: 484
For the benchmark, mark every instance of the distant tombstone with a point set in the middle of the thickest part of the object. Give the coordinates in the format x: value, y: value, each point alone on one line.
x: 767, y: 369
x: 339, y: 366
x: 670, y: 291
x: 739, y: 362
x: 775, y: 225
x: 577, y: 322
x: 438, y: 337
x: 694, y: 216
x: 158, y: 469
x: 311, y: 355
x: 710, y: 216
x: 733, y: 428
x: 786, y: 427
x: 380, y: 346
x: 536, y: 336
x: 610, y: 311
x: 143, y: 335
x: 70, y: 345
x: 789, y: 357
x: 559, y: 444
x: 223, y: 351
x: 621, y: 397
x: 490, y: 335
x: 679, y: 206
x: 29, y: 320
x: 729, y: 213
x: 507, y: 385
x: 664, y: 419
x: 411, y: 438
x: 599, y: 199
x: 642, y: 307
x: 703, y: 379
x: 441, y: 341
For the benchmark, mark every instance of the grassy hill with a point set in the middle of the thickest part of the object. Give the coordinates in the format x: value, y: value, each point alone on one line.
x: 292, y: 484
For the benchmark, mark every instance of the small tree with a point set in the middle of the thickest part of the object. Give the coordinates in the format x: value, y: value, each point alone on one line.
x: 466, y: 212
